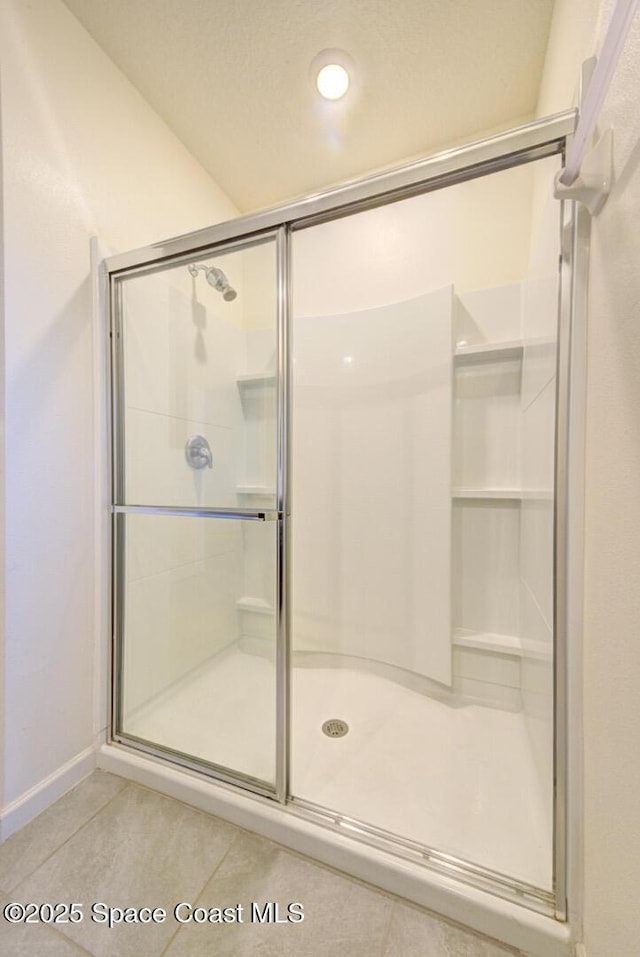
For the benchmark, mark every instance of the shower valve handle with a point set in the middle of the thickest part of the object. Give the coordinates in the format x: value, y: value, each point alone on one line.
x: 198, y: 452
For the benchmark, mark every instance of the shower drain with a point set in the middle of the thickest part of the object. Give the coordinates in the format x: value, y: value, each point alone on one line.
x: 335, y: 728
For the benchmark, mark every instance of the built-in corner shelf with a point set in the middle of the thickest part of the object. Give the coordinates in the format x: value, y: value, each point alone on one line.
x: 502, y: 494
x: 495, y: 351
x: 257, y: 606
x: 263, y: 491
x: 256, y: 380
x: 258, y: 406
x: 485, y: 641
x: 495, y: 508
x: 488, y: 351
x: 498, y: 494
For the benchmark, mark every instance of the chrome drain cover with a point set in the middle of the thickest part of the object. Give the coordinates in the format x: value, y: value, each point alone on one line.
x: 335, y: 728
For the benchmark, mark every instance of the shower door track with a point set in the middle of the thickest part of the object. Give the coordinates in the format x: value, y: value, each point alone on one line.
x: 537, y: 140
x: 448, y: 864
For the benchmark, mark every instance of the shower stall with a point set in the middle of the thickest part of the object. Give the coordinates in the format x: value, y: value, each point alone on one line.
x: 339, y: 494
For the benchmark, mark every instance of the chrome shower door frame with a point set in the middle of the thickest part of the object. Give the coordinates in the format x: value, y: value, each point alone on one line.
x: 120, y: 509
x: 525, y: 144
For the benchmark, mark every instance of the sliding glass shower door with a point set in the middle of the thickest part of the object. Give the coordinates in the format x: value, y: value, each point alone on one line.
x: 423, y: 429
x: 196, y: 520
x: 339, y: 509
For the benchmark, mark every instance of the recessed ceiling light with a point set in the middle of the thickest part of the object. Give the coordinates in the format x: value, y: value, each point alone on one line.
x: 332, y: 81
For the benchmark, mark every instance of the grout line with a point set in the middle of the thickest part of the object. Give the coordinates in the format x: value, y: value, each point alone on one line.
x: 170, y: 941
x: 69, y: 940
x: 236, y: 838
x: 196, y: 898
x: 267, y: 840
x: 476, y: 935
x: 126, y: 785
x: 387, y: 931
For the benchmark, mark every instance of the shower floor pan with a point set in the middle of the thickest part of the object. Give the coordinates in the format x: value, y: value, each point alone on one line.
x: 459, y: 779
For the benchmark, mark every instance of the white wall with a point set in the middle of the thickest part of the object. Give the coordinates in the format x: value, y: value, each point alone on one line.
x: 2, y: 456
x: 612, y: 529
x: 82, y: 154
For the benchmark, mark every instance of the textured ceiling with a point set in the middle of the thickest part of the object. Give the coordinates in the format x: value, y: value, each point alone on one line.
x: 232, y: 79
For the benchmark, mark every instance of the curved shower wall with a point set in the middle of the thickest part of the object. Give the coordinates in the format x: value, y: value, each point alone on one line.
x: 372, y: 412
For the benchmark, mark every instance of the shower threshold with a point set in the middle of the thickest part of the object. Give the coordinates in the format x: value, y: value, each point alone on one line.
x: 314, y: 833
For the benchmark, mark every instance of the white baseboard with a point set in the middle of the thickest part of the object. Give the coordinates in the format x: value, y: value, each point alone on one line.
x: 38, y: 798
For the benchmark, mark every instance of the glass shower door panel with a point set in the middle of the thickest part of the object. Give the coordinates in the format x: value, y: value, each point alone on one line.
x: 197, y: 656
x: 423, y: 411
x: 199, y: 347
x: 195, y: 443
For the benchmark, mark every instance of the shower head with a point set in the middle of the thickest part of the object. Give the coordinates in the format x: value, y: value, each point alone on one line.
x: 216, y: 278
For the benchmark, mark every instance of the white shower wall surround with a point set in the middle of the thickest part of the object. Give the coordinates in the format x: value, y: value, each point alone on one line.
x: 186, y: 353
x: 396, y: 364
x: 369, y: 388
x: 420, y: 540
x: 361, y: 414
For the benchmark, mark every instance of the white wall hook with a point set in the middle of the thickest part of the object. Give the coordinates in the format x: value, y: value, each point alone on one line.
x: 593, y: 184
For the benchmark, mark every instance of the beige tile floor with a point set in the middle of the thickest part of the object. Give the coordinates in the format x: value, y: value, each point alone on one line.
x: 109, y: 841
